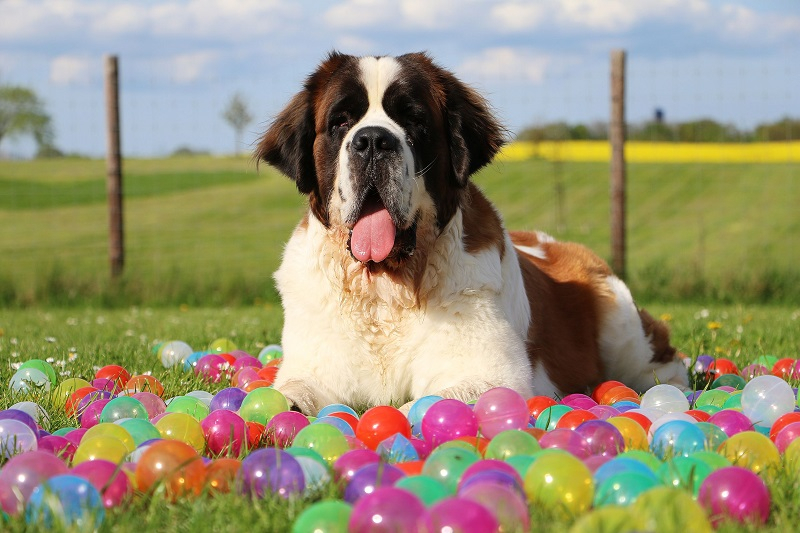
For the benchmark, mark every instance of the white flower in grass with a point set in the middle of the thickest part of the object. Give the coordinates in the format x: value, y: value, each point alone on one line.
x: 50, y: 339
x: 50, y: 359
x: 72, y: 321
x: 16, y: 366
x: 15, y: 354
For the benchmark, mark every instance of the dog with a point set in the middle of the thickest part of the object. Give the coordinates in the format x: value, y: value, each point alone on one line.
x: 401, y: 280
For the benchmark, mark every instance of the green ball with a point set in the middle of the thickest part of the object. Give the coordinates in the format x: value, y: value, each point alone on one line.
x: 294, y: 451
x: 729, y: 380
x: 329, y: 516
x: 510, y: 443
x: 766, y: 360
x: 643, y: 457
x: 712, y: 459
x: 123, y: 407
x: 714, y: 435
x: 324, y: 439
x: 447, y: 465
x: 426, y: 488
x: 550, y: 416
x: 63, y: 431
x: 686, y: 473
x: 222, y: 345
x: 269, y: 353
x: 713, y: 397
x: 623, y: 488
x: 189, y: 405
x: 140, y: 430
x: 261, y: 404
x: 44, y: 366
x: 734, y: 402
x: 521, y: 463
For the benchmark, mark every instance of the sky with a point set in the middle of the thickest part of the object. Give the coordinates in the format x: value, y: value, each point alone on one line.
x: 536, y: 61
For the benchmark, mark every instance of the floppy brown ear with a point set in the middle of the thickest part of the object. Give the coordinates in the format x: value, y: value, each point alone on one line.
x: 475, y: 134
x: 288, y: 143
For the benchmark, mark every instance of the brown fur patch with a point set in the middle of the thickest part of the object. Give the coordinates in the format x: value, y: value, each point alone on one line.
x: 658, y: 332
x: 482, y: 226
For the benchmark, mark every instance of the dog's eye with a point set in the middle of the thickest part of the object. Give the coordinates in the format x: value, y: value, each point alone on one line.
x: 339, y: 123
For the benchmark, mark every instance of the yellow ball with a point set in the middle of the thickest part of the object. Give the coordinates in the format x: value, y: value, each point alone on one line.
x: 65, y: 389
x: 182, y: 427
x: 792, y: 455
x: 112, y: 430
x: 100, y: 447
x: 633, y: 433
x: 559, y: 481
x: 752, y: 450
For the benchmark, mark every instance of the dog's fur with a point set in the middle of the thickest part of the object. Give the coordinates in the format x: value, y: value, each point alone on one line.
x: 401, y: 280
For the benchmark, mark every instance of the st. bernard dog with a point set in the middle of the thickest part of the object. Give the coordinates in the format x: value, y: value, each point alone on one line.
x: 401, y: 280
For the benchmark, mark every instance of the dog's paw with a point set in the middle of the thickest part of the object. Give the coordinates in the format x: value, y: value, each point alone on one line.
x: 406, y: 407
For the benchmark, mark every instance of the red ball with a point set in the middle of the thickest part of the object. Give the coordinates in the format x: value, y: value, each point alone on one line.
x: 786, y: 368
x: 604, y: 387
x: 575, y: 418
x: 115, y: 373
x: 781, y: 422
x: 537, y: 404
x: 721, y: 366
x: 379, y: 423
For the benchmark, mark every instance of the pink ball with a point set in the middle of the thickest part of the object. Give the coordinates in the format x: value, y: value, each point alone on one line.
x: 246, y: 360
x: 349, y: 462
x: 579, y: 401
x: 225, y: 433
x: 448, y: 420
x: 389, y: 509
x: 604, y: 412
x: 75, y: 436
x: 489, y: 465
x: 210, y: 367
x: 603, y: 437
x: 91, y: 415
x: 112, y: 483
x: 461, y: 514
x: 283, y: 427
x: 567, y: 440
x: 736, y: 493
x: 59, y: 446
x: 505, y: 504
x: 153, y: 404
x: 784, y: 438
x: 731, y: 422
x: 23, y: 473
x: 500, y: 409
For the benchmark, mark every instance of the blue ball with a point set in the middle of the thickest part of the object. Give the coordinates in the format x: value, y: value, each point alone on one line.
x: 418, y: 410
x: 338, y: 423
x: 336, y: 408
x: 677, y: 438
x: 65, y: 502
x: 620, y: 465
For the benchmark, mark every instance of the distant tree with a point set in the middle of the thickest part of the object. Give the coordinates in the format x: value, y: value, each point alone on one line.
x: 786, y: 129
x: 238, y: 116
x: 23, y: 112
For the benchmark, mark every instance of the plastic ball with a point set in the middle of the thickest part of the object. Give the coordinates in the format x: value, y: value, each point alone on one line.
x: 379, y: 423
x: 58, y: 446
x: 719, y: 367
x: 510, y: 443
x: 633, y: 434
x: 751, y: 450
x: 459, y: 514
x: 576, y: 417
x: 621, y: 465
x: 323, y: 439
x: 418, y: 410
x: 537, y: 404
x: 548, y: 418
x: 397, y: 449
x: 225, y: 433
x: 43, y: 366
x: 20, y: 416
x: 609, y: 518
x: 108, y: 478
x: 172, y: 466
x: 786, y: 368
x: 211, y: 368
x: 735, y: 493
x: 623, y: 488
x: 500, y: 409
x: 27, y: 380
x: 183, y: 428
x: 144, y: 383
x: 560, y: 482
x: 262, y: 404
x: 111, y: 430
x: 16, y: 437
x: 754, y: 370
x: 230, y: 399
x: 767, y: 398
x: 677, y: 438
x: 447, y: 465
x: 271, y: 471
x: 389, y: 509
x: 140, y: 430
x: 221, y: 474
x: 505, y: 503
x: 349, y: 462
x: 105, y: 447
x: 202, y: 395
x: 730, y: 421
x: 447, y: 420
x: 787, y: 434
x: 666, y: 398
x: 23, y: 473
x: 282, y: 428
x: 729, y: 380
x: 189, y: 405
x: 118, y: 374
x: 685, y: 473
x: 34, y: 410
x: 222, y: 345
x: 190, y: 363
x: 603, y: 437
x: 567, y: 440
x: 65, y: 501
x: 368, y: 478
x: 123, y: 407
x: 65, y: 389
x: 174, y: 352
x: 427, y: 489
x: 152, y: 403
x: 618, y: 394
x: 329, y: 516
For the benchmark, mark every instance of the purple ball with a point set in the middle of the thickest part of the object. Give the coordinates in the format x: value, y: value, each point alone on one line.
x: 20, y: 416
x: 23, y: 473
x: 152, y: 403
x: 604, y: 412
x: 579, y: 401
x: 447, y: 420
x: 271, y: 471
x: 349, y: 462
x: 490, y: 466
x: 693, y: 396
x: 731, y: 421
x: 106, y: 385
x: 701, y: 365
x: 389, y: 509
x: 506, y: 504
x: 461, y: 514
x: 368, y: 478
x: 245, y: 360
x: 230, y: 399
x: 89, y: 399
x: 91, y: 415
x: 753, y: 371
x: 737, y: 493
x: 283, y: 427
x: 568, y: 440
x: 603, y: 437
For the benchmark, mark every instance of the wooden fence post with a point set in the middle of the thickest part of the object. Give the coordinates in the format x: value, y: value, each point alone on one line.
x: 617, y: 138
x: 116, y: 250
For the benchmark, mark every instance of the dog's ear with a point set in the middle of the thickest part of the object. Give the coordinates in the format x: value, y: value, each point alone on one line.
x: 475, y: 134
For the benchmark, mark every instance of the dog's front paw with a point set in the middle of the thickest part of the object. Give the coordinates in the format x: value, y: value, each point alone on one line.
x: 300, y: 397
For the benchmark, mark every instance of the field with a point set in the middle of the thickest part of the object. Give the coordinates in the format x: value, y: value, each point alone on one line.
x: 210, y: 230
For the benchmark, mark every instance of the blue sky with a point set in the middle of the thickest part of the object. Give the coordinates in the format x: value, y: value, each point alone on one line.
x: 735, y: 61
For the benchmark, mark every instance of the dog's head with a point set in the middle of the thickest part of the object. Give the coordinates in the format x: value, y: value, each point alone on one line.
x: 377, y: 141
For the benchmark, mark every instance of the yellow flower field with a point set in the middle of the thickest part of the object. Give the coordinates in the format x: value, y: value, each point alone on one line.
x: 656, y: 152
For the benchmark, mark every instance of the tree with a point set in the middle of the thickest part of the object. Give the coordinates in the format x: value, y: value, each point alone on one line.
x: 21, y: 112
x: 238, y: 116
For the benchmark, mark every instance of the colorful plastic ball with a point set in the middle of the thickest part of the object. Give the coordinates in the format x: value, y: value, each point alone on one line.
x: 323, y: 439
x: 68, y: 386
x: 172, y: 466
x: 785, y: 368
x: 735, y: 493
x: 202, y: 395
x: 43, y: 366
x: 34, y: 410
x: 108, y: 478
x: 715, y: 436
x: 105, y: 447
x: 230, y: 399
x: 623, y: 489
x: 767, y: 398
x: 328, y: 516
x: 621, y: 465
x: 379, y: 423
x: 121, y: 408
x: 576, y: 417
x: 787, y: 434
x: 460, y: 514
x: 140, y: 430
x: 152, y: 403
x: 427, y: 489
x: 447, y: 465
x: 112, y: 430
x: 282, y: 428
x: 537, y: 404
x: 754, y: 370
x: 603, y: 437
x: 349, y: 462
x: 389, y: 509
x: 729, y: 380
x: 16, y: 437
x: 500, y: 409
x: 174, y: 352
x: 58, y: 446
x: 670, y: 510
x: 115, y: 373
x: 225, y: 433
x: 27, y: 380
x: 609, y: 518
x: 730, y: 421
x: 315, y: 473
x: 634, y: 437
x: 23, y: 473
x: 446, y: 420
x: 66, y: 502
x: 684, y: 472
x: 667, y: 418
x: 90, y: 415
x: 189, y: 405
x: 510, y: 443
x: 271, y: 471
x: 666, y: 398
x: 211, y: 368
x: 560, y: 482
x: 144, y: 383
x: 190, y: 363
x: 752, y: 450
x: 20, y: 416
x: 506, y: 504
x: 418, y: 410
x: 398, y: 449
x: 221, y: 474
x: 368, y: 478
x: 270, y: 352
x: 222, y: 345
x: 262, y: 404
x: 619, y: 393
x: 676, y: 438
x: 183, y: 428
x: 567, y: 440
x: 721, y: 366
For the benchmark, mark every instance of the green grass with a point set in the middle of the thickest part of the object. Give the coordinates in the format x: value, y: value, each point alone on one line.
x: 204, y: 230
x: 85, y: 339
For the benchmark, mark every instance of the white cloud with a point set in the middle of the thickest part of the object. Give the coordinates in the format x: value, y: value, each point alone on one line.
x: 187, y: 68
x: 507, y: 64
x: 69, y: 69
x: 362, y: 13
x: 407, y: 14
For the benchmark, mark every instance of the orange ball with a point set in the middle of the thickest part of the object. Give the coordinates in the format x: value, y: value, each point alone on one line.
x: 601, y: 389
x: 379, y: 423
x: 275, y: 362
x: 172, y: 466
x: 697, y: 414
x: 618, y: 394
x: 256, y: 384
x: 255, y: 434
x: 781, y: 422
x: 411, y: 468
x: 640, y: 418
x: 537, y: 404
x: 75, y: 398
x: 115, y: 373
x: 720, y: 366
x: 573, y: 419
x: 268, y: 374
x: 144, y: 383
x: 221, y: 474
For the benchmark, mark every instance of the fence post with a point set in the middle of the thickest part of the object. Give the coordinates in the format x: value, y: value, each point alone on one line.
x: 617, y: 138
x: 116, y: 250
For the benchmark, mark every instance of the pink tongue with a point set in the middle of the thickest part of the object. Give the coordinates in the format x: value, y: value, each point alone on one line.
x: 373, y: 235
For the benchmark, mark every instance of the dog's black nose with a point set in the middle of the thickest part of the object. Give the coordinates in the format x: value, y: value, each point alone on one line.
x: 374, y: 141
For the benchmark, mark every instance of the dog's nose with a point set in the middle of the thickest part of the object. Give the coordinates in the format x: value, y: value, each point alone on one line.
x: 374, y: 141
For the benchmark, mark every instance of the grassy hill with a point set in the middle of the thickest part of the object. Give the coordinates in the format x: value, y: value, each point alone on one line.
x: 210, y: 230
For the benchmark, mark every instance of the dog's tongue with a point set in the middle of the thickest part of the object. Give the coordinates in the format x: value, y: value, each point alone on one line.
x: 373, y: 235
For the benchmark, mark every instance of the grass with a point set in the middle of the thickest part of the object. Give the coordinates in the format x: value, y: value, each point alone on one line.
x: 204, y: 230
x: 80, y: 340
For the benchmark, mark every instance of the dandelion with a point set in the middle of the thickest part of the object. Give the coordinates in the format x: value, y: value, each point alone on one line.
x: 714, y: 325
x: 666, y: 317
